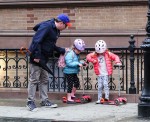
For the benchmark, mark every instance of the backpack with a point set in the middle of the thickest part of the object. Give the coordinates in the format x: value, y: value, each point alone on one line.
x: 61, y: 60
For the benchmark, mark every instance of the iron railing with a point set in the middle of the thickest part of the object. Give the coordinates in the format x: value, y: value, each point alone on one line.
x: 14, y: 71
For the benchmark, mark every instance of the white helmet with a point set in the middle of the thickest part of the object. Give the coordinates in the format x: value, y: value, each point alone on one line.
x: 100, y: 46
x: 79, y: 44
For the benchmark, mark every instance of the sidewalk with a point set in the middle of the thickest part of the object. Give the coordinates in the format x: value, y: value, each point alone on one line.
x: 89, y: 112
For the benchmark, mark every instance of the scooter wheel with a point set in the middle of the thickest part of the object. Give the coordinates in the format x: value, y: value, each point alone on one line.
x: 124, y: 100
x: 82, y: 100
x: 117, y: 102
x: 89, y: 100
x: 86, y: 100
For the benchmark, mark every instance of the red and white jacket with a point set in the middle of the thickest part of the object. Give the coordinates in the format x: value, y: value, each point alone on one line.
x: 109, y: 57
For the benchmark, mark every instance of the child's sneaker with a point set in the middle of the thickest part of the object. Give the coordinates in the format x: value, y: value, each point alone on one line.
x: 71, y: 102
x: 48, y: 104
x: 101, y: 101
x: 98, y: 102
x: 31, y: 105
x: 106, y: 100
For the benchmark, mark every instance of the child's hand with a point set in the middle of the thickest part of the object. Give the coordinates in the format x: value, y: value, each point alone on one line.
x: 80, y: 65
x: 85, y: 64
x: 119, y: 64
x: 67, y: 49
x: 94, y: 61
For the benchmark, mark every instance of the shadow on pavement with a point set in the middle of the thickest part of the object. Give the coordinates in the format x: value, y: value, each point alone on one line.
x: 22, y: 102
x: 13, y: 119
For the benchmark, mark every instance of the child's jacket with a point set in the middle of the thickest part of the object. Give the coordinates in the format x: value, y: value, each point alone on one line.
x: 109, y: 57
x: 72, y: 63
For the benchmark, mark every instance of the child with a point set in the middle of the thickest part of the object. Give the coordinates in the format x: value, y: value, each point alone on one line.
x: 72, y: 69
x: 102, y: 61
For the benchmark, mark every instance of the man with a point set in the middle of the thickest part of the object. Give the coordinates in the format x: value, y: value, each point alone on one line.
x: 42, y: 47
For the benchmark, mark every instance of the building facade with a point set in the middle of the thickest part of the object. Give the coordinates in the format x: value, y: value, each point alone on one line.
x: 111, y: 20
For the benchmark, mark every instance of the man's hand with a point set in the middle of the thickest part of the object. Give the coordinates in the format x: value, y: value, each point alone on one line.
x: 37, y: 60
x: 67, y: 49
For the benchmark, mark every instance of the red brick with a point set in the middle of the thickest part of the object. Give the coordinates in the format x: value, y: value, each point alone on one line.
x: 66, y: 11
x: 30, y: 21
x: 29, y: 28
x: 30, y: 15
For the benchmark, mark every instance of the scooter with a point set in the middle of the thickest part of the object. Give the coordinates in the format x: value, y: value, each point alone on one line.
x: 84, y: 98
x: 120, y: 100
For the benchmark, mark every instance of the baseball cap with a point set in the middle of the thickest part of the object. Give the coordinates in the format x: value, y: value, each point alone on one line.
x: 65, y: 19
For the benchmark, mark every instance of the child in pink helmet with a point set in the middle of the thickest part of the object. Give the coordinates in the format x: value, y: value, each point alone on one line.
x: 102, y: 61
x: 72, y: 68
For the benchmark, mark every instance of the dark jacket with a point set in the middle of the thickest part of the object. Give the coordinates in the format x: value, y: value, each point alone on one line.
x: 44, y: 41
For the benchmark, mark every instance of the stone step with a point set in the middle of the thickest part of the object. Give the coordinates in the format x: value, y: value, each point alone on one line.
x: 22, y: 94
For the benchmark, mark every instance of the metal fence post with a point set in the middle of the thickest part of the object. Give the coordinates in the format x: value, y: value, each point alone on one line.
x: 144, y: 105
x: 132, y: 89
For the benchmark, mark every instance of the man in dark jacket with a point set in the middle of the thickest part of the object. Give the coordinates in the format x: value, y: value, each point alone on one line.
x: 42, y: 47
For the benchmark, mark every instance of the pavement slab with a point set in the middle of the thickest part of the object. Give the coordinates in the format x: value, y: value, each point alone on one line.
x: 15, y: 111
x: 82, y: 112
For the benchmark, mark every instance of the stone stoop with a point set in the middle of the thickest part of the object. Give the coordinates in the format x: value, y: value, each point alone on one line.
x: 11, y: 94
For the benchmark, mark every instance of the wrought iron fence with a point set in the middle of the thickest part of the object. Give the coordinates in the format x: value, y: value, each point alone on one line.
x: 14, y: 71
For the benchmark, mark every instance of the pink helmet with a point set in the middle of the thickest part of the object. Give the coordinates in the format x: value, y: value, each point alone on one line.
x: 79, y: 44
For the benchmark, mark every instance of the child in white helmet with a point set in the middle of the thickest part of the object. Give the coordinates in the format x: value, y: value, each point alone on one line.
x: 102, y: 61
x: 72, y: 68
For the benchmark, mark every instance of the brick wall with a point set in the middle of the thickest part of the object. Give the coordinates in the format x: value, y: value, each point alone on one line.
x: 87, y: 18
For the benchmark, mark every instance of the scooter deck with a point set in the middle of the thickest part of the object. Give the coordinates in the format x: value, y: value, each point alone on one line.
x: 77, y: 100
x: 110, y: 102
x: 83, y: 99
x: 117, y: 102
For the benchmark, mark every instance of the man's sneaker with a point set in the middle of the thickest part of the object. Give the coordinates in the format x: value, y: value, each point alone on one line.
x: 31, y: 106
x: 48, y: 104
